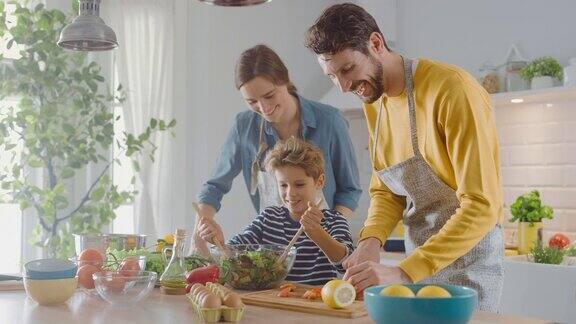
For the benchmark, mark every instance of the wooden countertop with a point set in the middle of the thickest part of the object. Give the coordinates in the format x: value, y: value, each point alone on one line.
x: 16, y: 307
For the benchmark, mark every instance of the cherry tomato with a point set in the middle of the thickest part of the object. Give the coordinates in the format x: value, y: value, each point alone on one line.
x: 559, y: 240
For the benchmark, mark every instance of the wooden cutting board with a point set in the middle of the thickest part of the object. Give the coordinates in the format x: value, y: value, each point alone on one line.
x: 269, y: 298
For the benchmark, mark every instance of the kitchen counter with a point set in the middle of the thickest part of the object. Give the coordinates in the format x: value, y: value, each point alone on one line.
x: 16, y: 307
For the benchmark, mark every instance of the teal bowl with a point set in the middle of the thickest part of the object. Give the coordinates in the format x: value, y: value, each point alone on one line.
x: 457, y: 309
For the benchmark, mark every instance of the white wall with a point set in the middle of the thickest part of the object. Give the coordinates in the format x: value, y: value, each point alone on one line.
x: 467, y: 33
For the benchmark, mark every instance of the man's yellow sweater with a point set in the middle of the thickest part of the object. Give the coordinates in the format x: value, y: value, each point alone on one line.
x: 457, y: 137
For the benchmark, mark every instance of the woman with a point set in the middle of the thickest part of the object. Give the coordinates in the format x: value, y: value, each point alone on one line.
x: 276, y: 113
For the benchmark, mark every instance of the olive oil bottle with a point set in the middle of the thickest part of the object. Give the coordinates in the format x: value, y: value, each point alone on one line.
x: 173, y: 279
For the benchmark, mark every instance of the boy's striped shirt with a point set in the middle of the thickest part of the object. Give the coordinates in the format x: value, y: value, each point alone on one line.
x: 311, y: 266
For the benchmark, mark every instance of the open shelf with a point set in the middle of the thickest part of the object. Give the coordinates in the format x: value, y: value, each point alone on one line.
x: 537, y: 96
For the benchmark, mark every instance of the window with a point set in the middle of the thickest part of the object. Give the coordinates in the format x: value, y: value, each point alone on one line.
x: 10, y: 214
x: 121, y: 174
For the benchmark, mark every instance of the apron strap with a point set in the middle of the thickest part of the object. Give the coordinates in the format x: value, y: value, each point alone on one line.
x: 256, y: 167
x: 377, y: 132
x: 411, y: 105
x: 411, y: 112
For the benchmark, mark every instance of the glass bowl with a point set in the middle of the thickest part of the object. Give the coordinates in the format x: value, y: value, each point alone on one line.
x: 125, y: 287
x: 253, y: 266
x: 102, y: 242
x: 112, y: 264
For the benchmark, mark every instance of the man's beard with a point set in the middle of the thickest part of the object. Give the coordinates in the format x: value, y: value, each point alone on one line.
x: 376, y: 81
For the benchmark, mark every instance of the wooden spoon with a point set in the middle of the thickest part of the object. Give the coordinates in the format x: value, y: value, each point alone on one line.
x: 295, y: 238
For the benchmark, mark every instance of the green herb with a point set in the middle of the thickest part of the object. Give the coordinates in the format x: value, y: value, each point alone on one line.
x: 544, y: 66
x: 529, y: 208
x: 547, y: 255
x: 571, y: 251
x: 253, y: 270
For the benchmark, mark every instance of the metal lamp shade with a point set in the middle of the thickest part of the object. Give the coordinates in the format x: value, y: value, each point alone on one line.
x: 88, y: 32
x: 234, y: 3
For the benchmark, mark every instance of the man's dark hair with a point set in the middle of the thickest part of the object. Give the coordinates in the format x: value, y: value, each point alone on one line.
x: 342, y: 26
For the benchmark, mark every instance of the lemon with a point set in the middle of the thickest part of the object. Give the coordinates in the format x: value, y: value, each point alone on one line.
x: 169, y: 238
x: 338, y: 293
x: 433, y: 291
x: 397, y: 291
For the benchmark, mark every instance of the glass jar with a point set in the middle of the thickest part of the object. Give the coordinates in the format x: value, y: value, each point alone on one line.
x: 489, y: 78
x: 514, y: 81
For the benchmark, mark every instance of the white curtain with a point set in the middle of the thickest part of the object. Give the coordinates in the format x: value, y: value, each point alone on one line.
x: 145, y: 61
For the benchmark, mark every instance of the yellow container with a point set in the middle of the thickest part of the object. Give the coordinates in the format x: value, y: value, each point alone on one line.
x: 529, y: 234
x: 50, y: 291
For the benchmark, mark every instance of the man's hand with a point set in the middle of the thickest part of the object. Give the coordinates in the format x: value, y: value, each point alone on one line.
x: 367, y: 250
x: 311, y: 220
x: 369, y: 273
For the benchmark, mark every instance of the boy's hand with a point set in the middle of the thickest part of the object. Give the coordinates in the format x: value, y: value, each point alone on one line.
x: 209, y: 230
x: 311, y: 219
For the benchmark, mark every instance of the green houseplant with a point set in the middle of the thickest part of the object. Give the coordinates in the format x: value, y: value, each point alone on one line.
x: 542, y: 71
x: 547, y: 255
x: 529, y: 212
x: 61, y: 124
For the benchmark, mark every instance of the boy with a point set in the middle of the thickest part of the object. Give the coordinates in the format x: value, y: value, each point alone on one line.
x: 299, y: 170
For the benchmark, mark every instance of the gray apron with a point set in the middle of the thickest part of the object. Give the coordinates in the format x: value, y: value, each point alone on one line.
x: 430, y: 204
x: 265, y: 183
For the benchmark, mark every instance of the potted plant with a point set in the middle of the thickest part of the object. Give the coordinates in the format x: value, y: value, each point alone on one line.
x: 529, y: 211
x: 541, y: 72
x: 61, y: 123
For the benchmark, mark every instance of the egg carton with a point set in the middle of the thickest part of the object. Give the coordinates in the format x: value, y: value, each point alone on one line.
x: 223, y: 313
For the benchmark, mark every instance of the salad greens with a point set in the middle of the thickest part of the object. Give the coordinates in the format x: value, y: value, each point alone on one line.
x: 253, y: 270
x: 154, y: 260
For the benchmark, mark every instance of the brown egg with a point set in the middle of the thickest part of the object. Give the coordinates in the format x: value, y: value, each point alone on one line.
x: 200, y: 296
x: 195, y: 288
x: 233, y: 300
x: 211, y: 301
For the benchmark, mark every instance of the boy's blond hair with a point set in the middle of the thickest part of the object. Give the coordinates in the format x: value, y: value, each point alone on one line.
x: 298, y: 153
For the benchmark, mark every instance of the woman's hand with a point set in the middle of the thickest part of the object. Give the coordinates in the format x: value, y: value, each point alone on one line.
x: 311, y: 220
x: 210, y: 231
x: 206, y: 227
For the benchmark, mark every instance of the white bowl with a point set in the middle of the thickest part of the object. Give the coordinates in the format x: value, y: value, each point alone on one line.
x: 50, y: 291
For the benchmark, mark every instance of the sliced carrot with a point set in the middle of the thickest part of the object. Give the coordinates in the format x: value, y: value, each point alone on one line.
x: 289, y: 286
x: 285, y: 292
x: 312, y: 294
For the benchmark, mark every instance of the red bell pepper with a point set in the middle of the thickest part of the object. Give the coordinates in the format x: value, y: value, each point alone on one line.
x: 203, y: 275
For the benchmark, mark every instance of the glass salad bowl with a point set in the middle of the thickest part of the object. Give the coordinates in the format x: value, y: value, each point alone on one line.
x: 253, y: 266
